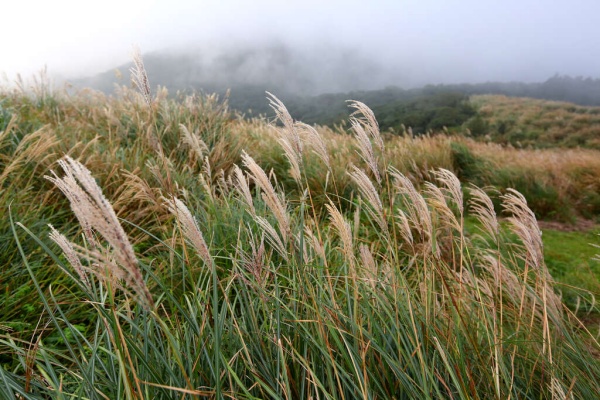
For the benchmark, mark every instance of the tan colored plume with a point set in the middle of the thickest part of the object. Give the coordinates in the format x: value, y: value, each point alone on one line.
x: 96, y: 214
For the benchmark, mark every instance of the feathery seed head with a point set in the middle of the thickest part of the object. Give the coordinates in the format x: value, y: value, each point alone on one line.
x: 140, y: 77
x: 190, y: 227
x: 95, y: 212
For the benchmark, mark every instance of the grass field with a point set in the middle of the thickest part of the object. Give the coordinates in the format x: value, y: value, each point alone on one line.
x: 158, y: 247
x: 539, y: 123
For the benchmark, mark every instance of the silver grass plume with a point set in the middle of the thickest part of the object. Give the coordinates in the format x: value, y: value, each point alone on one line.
x: 368, y: 264
x: 404, y: 227
x: 483, y: 208
x: 254, y: 262
x: 197, y: 145
x: 94, y: 211
x: 242, y: 187
x: 370, y: 193
x: 288, y: 136
x: 452, y: 185
x: 315, y: 243
x: 525, y: 226
x: 140, y: 77
x: 366, y: 149
x: 275, y: 203
x: 438, y: 202
x: 345, y: 233
x: 316, y: 141
x: 272, y: 236
x: 67, y: 248
x: 417, y: 212
x: 366, y: 118
x: 189, y: 227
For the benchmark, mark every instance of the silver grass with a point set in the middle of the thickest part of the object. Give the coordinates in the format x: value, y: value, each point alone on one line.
x: 370, y: 193
x: 404, y: 228
x: 197, y: 145
x: 505, y: 279
x: 368, y: 264
x: 344, y: 232
x: 275, y: 203
x: 452, y: 185
x: 94, y: 211
x: 365, y: 149
x: 417, y: 211
x: 365, y: 117
x: 254, y: 263
x: 289, y: 130
x: 315, y: 243
x: 316, y: 141
x: 288, y: 136
x: 140, y: 77
x: 69, y: 252
x: 205, y: 179
x: 483, y: 208
x: 293, y: 158
x: 189, y: 227
x: 272, y: 236
x: 525, y: 226
x: 242, y: 187
x: 438, y: 202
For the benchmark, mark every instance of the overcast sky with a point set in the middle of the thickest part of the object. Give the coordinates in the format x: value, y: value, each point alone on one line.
x: 429, y: 41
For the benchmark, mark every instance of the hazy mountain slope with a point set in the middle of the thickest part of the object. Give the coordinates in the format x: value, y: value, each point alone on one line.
x: 315, y: 83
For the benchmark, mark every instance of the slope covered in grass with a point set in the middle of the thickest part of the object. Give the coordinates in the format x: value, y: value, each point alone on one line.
x: 536, y: 123
x: 195, y: 254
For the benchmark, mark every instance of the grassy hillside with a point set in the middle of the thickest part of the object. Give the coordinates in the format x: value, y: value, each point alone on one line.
x: 163, y: 248
x: 536, y: 123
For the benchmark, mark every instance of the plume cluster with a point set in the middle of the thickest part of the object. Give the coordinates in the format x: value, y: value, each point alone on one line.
x: 96, y: 215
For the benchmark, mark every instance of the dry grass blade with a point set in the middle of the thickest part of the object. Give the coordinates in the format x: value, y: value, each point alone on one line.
x: 95, y: 212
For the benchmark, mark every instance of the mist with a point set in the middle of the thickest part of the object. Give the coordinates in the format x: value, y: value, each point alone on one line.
x: 309, y: 47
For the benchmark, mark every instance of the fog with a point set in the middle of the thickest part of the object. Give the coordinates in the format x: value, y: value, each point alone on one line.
x: 333, y: 45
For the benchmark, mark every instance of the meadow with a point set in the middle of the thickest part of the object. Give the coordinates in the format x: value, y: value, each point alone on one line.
x: 158, y: 246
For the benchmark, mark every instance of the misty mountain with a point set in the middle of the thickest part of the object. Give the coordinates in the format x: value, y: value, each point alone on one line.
x: 275, y: 67
x: 315, y: 83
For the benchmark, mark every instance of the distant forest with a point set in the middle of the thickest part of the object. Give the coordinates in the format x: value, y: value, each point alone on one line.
x: 429, y: 108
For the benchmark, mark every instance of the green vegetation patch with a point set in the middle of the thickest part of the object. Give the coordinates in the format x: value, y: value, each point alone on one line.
x: 570, y: 257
